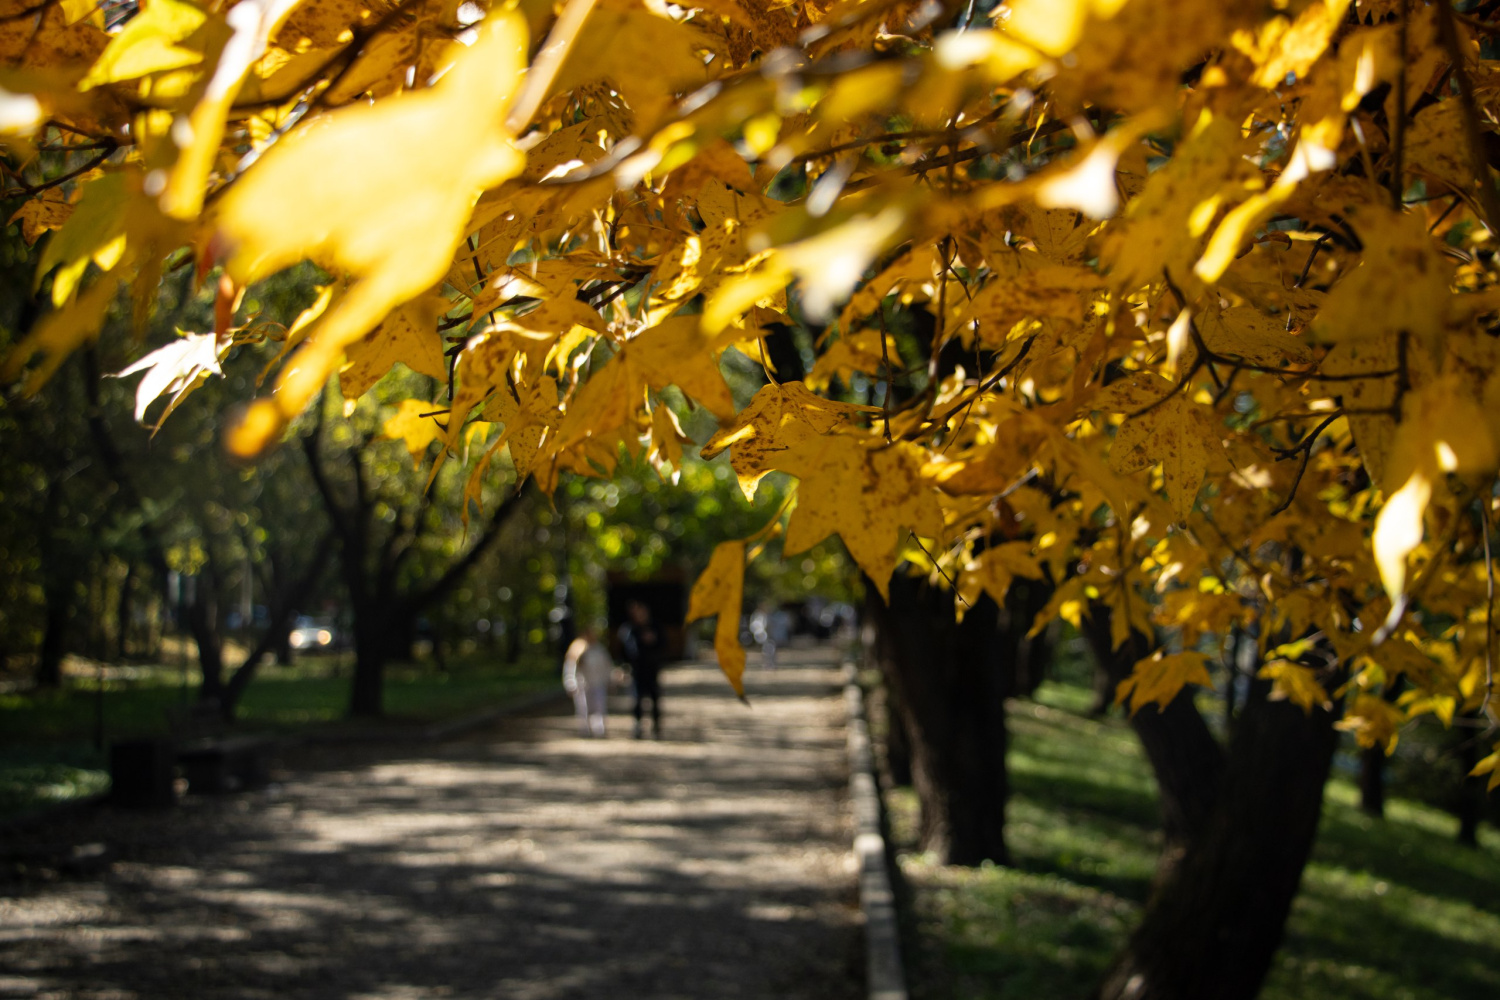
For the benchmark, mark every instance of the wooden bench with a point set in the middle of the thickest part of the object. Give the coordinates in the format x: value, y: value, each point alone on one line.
x: 216, y: 765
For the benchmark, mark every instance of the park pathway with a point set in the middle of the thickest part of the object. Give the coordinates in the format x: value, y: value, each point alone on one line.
x: 519, y: 861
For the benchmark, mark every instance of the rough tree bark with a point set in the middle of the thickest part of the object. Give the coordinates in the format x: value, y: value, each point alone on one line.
x: 1213, y: 925
x: 1186, y: 759
x: 950, y: 682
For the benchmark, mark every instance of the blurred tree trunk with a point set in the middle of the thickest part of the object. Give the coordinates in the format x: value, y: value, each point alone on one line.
x: 124, y: 611
x: 897, y: 743
x: 284, y: 597
x: 950, y: 682
x: 203, y: 621
x: 1471, y: 796
x: 1213, y: 925
x: 372, y: 564
x: 1186, y: 759
x: 1372, y: 781
x: 58, y: 594
x: 1023, y: 603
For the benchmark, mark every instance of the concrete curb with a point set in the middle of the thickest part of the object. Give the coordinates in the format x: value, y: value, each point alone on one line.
x: 885, y: 979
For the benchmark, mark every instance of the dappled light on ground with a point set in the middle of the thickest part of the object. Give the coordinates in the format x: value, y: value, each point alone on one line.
x: 521, y: 861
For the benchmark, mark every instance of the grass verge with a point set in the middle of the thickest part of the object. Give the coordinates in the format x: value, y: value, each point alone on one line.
x: 1390, y: 909
x: 49, y: 754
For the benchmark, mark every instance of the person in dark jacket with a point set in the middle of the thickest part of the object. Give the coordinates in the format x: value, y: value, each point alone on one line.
x: 641, y: 643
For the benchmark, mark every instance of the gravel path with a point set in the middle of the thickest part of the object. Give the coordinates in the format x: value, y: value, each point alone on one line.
x: 519, y: 861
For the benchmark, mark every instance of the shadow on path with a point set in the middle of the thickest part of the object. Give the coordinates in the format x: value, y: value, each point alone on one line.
x: 517, y: 862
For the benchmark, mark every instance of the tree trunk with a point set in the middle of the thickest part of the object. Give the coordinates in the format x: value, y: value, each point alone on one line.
x: 1024, y: 602
x: 1185, y: 758
x: 1372, y: 781
x: 367, y: 691
x: 203, y: 623
x: 950, y: 682
x: 124, y: 610
x: 1213, y: 926
x: 1471, y: 795
x: 513, y: 638
x: 284, y: 602
x: 897, y: 743
x: 54, y: 634
x: 283, y: 646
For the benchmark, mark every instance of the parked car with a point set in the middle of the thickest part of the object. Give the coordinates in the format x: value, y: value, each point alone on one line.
x: 314, y: 635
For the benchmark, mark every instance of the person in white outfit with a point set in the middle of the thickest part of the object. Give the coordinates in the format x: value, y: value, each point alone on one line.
x: 586, y: 670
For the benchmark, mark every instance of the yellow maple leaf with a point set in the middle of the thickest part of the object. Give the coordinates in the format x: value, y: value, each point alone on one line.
x: 381, y: 192
x: 1374, y: 722
x: 993, y: 570
x: 1295, y: 683
x: 720, y: 590
x: 159, y: 38
x: 1491, y: 766
x: 1246, y: 332
x: 408, y: 335
x: 1164, y: 428
x: 781, y: 417
x: 1159, y: 677
x: 413, y: 425
x: 870, y: 496
x: 1400, y: 285
x: 1442, y: 430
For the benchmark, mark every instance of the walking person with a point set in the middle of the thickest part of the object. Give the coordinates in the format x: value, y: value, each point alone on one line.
x: 586, y: 669
x: 642, y: 644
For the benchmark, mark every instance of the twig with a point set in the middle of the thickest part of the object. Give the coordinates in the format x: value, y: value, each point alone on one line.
x: 885, y: 358
x: 1473, y: 132
x: 32, y: 190
x: 938, y: 566
x: 1398, y: 127
x: 984, y: 386
x: 1307, y: 268
x: 1489, y: 618
x: 1305, y: 446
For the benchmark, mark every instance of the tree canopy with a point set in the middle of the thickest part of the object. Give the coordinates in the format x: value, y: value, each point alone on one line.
x: 1189, y: 307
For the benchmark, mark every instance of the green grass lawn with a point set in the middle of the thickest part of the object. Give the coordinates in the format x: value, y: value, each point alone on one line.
x: 47, y: 739
x: 1390, y: 909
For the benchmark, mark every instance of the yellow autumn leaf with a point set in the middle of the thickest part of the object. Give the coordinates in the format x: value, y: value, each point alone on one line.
x: 1295, y: 683
x: 160, y: 38
x: 720, y: 591
x: 94, y: 232
x: 1374, y: 722
x: 1441, y: 431
x: 1490, y: 765
x: 870, y: 496
x: 780, y: 418
x: 1400, y: 285
x: 1165, y: 428
x: 414, y: 425
x: 992, y: 571
x: 381, y: 192
x: 251, y: 24
x: 1160, y: 677
x: 408, y: 335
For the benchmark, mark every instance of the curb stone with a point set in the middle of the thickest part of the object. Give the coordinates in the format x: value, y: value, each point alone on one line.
x: 885, y: 978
